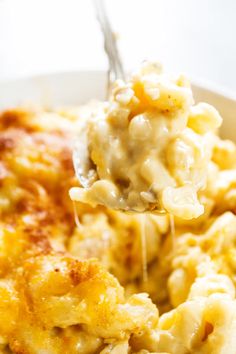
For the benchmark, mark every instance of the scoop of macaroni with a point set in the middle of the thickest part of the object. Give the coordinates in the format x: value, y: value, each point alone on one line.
x: 150, y: 147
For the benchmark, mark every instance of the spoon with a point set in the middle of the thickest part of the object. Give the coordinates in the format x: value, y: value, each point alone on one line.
x: 84, y: 167
x: 115, y: 70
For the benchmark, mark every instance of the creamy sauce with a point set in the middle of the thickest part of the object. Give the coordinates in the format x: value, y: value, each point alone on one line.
x: 144, y: 249
x: 147, y: 149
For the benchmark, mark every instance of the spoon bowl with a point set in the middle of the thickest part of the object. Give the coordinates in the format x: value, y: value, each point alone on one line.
x: 84, y: 168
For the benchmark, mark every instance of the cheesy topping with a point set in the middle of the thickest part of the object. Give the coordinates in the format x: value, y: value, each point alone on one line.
x: 150, y: 146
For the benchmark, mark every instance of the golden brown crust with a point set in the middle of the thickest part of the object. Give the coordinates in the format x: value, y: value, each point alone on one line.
x: 49, y: 300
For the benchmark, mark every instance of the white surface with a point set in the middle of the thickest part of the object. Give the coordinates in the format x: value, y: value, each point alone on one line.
x: 193, y: 36
x: 78, y: 87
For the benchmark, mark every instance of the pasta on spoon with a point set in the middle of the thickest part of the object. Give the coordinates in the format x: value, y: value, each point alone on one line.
x: 148, y: 147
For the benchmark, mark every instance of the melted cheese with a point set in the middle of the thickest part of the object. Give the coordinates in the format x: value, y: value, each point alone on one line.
x: 147, y: 148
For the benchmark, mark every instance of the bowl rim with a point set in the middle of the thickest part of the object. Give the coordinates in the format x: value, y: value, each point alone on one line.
x: 195, y: 82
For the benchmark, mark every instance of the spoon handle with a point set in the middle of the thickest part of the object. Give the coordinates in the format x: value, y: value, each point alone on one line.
x: 116, y: 70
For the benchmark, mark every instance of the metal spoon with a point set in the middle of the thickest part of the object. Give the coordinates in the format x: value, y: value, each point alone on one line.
x: 115, y: 70
x: 84, y: 167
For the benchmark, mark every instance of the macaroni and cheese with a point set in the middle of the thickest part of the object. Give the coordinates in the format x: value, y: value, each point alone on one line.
x: 72, y: 274
x: 150, y: 146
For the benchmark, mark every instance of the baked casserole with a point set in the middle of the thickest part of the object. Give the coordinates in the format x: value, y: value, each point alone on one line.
x: 81, y: 278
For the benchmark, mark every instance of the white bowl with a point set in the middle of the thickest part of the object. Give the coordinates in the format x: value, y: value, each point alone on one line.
x: 73, y: 88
